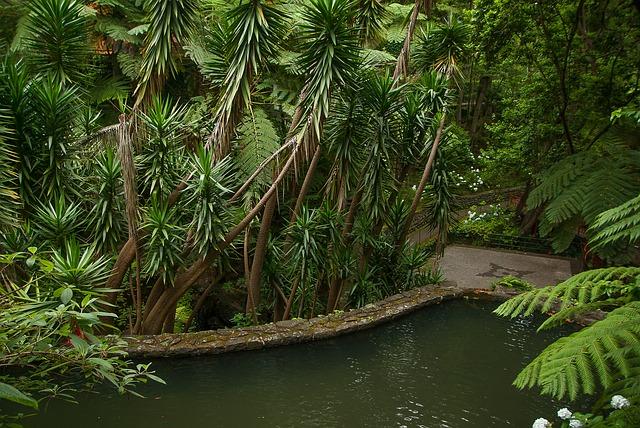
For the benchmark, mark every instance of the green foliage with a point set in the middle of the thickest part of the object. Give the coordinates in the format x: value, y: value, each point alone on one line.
x: 441, y: 47
x: 257, y: 28
x: 442, y: 205
x: 107, y: 214
x: 242, y: 320
x: 594, y: 356
x: 345, y: 133
x: 57, y: 222
x: 257, y: 141
x: 582, y: 186
x: 47, y: 329
x: 370, y: 21
x: 584, y: 292
x: 484, y: 221
x: 8, y: 392
x: 383, y: 100
x: 76, y: 267
x: 57, y: 39
x: 164, y: 245
x: 162, y: 153
x: 513, y: 283
x: 55, y: 107
x: 207, y: 191
x: 330, y: 54
x: 620, y: 224
x: 170, y: 24
x: 602, y: 355
x: 9, y: 199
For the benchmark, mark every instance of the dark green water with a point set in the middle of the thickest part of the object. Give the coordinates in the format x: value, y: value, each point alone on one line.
x: 446, y: 366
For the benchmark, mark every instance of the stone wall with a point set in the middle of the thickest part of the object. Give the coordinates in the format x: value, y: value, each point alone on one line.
x: 291, y: 331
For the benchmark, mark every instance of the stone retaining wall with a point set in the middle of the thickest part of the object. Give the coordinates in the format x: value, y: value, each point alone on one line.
x: 291, y: 331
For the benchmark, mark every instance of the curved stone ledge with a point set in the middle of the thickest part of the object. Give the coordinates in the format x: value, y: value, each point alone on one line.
x: 291, y: 331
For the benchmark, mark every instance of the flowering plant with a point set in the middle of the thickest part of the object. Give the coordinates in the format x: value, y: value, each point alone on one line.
x: 571, y: 419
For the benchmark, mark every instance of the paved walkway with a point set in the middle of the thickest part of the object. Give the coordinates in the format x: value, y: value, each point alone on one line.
x: 475, y: 267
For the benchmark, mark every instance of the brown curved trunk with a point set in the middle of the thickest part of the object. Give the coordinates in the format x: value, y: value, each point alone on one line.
x: 423, y: 183
x: 255, y: 279
x: 292, y: 296
x: 336, y: 283
x: 306, y: 184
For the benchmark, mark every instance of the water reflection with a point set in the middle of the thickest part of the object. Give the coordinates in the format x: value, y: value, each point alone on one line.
x: 446, y: 366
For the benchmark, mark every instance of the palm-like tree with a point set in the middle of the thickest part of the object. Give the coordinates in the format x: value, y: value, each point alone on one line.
x: 330, y: 58
x: 370, y: 20
x: 170, y: 24
x: 9, y: 199
x: 57, y: 39
x: 441, y: 47
x: 258, y: 28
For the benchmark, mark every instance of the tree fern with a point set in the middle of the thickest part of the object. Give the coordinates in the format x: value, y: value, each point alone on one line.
x: 620, y: 224
x: 591, y: 358
x: 580, y: 187
x: 581, y: 293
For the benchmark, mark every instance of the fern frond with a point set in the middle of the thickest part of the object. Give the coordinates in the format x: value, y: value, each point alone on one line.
x: 558, y: 177
x: 580, y: 187
x: 257, y: 141
x: 579, y: 363
x: 585, y: 288
x: 618, y: 224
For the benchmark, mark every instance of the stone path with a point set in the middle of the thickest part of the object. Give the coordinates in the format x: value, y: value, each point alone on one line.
x: 475, y: 267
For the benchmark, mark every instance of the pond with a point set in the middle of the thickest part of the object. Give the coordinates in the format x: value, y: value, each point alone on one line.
x: 445, y: 366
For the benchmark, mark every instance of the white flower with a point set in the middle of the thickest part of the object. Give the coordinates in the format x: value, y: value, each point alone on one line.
x: 574, y: 423
x: 541, y: 423
x: 564, y: 414
x: 414, y: 187
x: 619, y: 402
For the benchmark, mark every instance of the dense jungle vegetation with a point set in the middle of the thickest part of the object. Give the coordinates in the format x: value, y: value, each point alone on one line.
x: 168, y: 166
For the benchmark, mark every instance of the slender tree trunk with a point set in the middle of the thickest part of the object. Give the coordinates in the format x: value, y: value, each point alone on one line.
x: 483, y: 87
x: 402, y: 64
x: 423, y: 183
x: 247, y: 268
x: 292, y: 296
x: 336, y: 283
x: 125, y: 156
x: 306, y: 184
x: 170, y: 320
x: 253, y: 291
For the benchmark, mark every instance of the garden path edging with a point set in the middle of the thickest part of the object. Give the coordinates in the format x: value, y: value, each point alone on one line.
x: 290, y: 331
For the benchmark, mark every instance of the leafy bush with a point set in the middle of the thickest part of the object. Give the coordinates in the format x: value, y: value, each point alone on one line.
x: 482, y: 222
x: 242, y: 320
x: 49, y: 311
x: 513, y: 283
